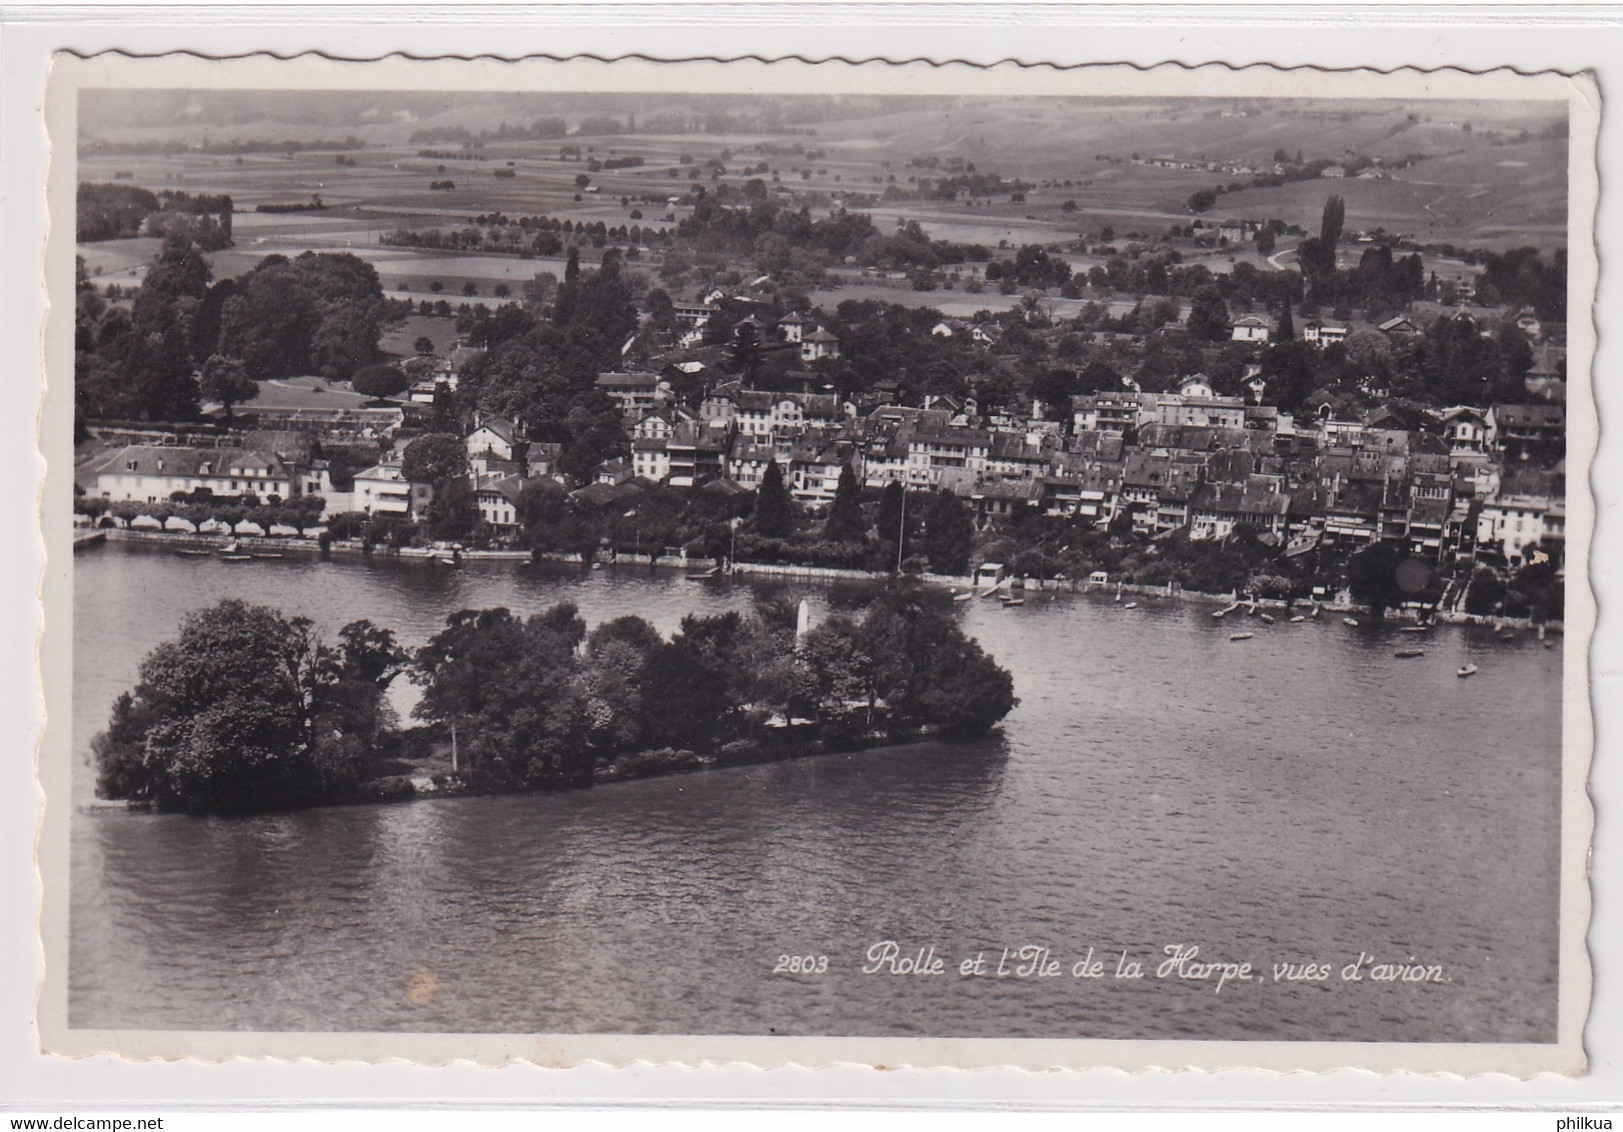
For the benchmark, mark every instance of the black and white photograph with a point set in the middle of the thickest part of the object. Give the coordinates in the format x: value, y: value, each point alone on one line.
x: 1074, y: 566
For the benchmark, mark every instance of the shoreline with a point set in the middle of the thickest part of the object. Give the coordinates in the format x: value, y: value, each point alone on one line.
x: 660, y: 762
x: 268, y: 544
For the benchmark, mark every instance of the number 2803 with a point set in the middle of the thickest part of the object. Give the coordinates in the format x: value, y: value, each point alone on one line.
x: 801, y: 965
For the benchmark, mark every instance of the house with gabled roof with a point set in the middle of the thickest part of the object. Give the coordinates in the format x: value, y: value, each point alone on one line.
x: 819, y: 344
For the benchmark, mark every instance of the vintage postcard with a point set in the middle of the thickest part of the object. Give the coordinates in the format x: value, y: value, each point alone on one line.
x: 569, y: 561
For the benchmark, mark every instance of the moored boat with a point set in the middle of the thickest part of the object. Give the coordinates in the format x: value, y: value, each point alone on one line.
x: 1466, y: 670
x: 1353, y: 621
x: 1405, y: 654
x: 1241, y: 636
x: 236, y: 558
x: 1131, y: 605
x: 1298, y: 619
x: 190, y: 553
x: 1267, y: 619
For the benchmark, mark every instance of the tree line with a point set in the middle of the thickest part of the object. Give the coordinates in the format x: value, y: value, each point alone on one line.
x: 185, y: 337
x: 248, y: 709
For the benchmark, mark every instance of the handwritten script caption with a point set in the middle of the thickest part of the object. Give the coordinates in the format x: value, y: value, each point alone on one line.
x: 1177, y: 962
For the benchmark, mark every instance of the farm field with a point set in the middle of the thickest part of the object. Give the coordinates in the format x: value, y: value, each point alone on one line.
x: 1476, y: 184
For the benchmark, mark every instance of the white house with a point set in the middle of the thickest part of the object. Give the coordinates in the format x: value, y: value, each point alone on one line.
x: 497, y: 499
x: 1249, y: 329
x: 494, y: 436
x: 152, y: 473
x: 819, y: 344
x: 384, y: 490
x: 793, y: 327
x: 1321, y: 335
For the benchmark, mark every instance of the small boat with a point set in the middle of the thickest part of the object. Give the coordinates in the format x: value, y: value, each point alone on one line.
x: 236, y: 558
x: 1315, y: 613
x: 273, y: 554
x: 1217, y: 615
x: 195, y: 553
x: 706, y: 575
x: 1241, y: 636
x: 446, y: 562
x: 1405, y: 654
x: 1353, y: 621
x: 970, y: 596
x: 1267, y: 619
x: 1014, y: 601
x: 597, y: 565
x: 1466, y: 670
x: 1131, y: 605
x: 1415, y: 629
x: 1298, y: 619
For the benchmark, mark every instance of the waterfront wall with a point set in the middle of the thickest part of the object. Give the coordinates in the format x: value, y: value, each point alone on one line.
x: 814, y: 574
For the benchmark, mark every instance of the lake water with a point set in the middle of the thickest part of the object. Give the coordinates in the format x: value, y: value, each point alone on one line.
x: 1299, y: 797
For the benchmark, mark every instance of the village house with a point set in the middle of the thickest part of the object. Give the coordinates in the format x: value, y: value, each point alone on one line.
x: 493, y: 438
x: 1400, y: 328
x: 814, y: 470
x: 1249, y: 329
x: 819, y: 344
x: 930, y: 451
x: 694, y: 455
x: 153, y: 473
x: 634, y: 394
x: 1466, y: 430
x: 1321, y: 335
x: 748, y: 458
x: 384, y: 490
x: 793, y: 326
x: 761, y: 413
x: 1518, y: 523
x: 497, y: 499
x: 1521, y: 432
x: 650, y: 458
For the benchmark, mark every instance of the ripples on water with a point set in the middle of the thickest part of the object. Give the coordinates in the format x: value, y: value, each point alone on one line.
x: 1298, y: 797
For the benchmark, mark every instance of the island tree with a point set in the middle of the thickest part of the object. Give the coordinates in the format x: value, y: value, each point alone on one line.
x: 246, y: 710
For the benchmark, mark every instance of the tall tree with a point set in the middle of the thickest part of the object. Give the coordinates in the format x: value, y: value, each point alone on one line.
x: 949, y: 534
x: 774, y: 509
x: 225, y: 718
x: 226, y: 380
x: 1209, y: 315
x: 435, y: 458
x: 844, y: 522
x: 1286, y: 329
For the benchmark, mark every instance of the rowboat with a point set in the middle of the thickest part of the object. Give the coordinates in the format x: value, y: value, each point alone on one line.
x: 1467, y: 670
x: 236, y: 558
x: 1014, y: 601
x: 1298, y: 619
x: 1131, y: 605
x: 1353, y: 621
x: 195, y: 553
x: 706, y: 575
x: 1405, y: 654
x: 1267, y: 619
x: 1415, y: 629
x: 1241, y: 636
